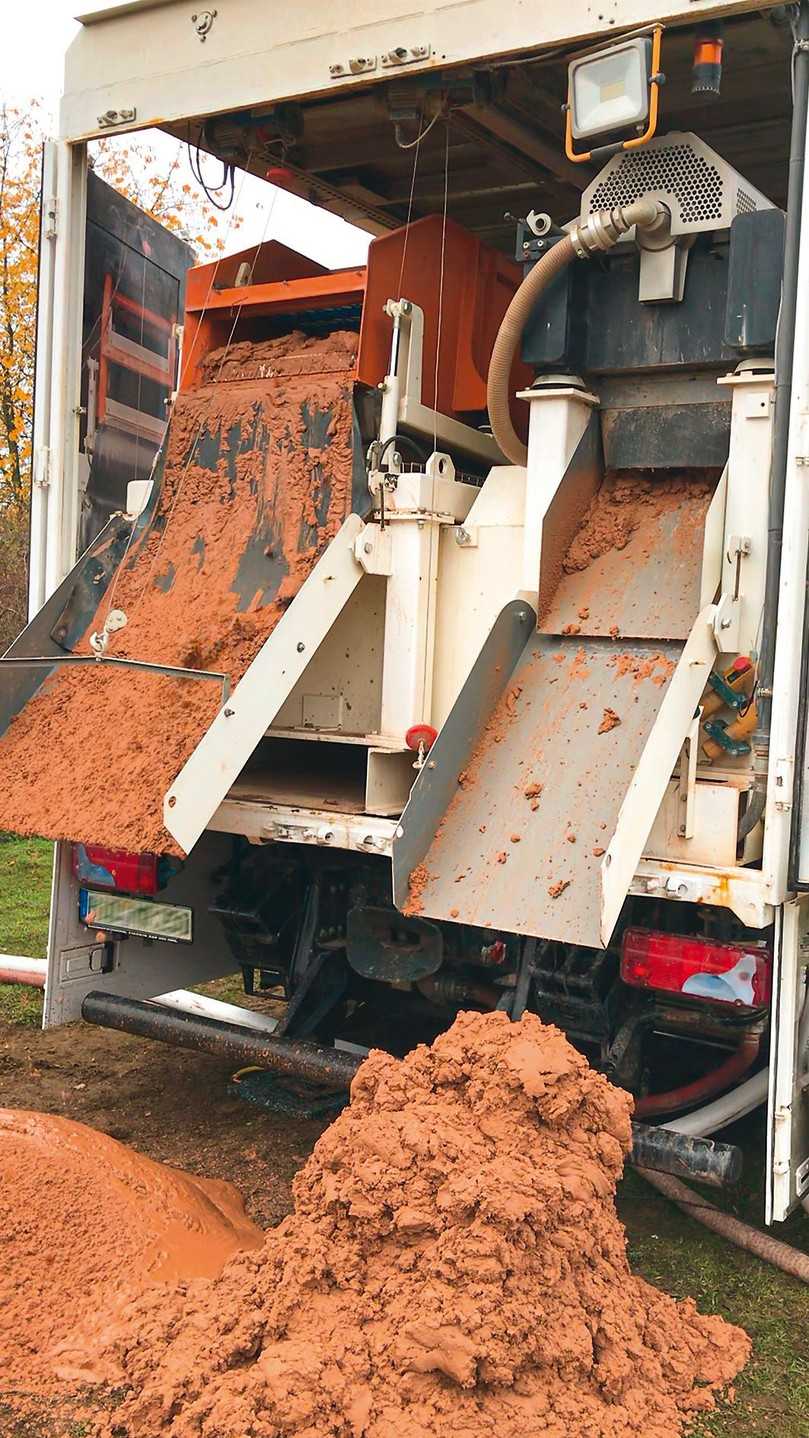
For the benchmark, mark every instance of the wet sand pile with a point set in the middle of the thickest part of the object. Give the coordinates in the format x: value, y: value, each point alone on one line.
x: 85, y: 1222
x: 256, y: 481
x: 454, y: 1266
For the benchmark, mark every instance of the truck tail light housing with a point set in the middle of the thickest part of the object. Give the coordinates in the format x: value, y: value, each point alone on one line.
x: 738, y: 974
x: 116, y: 869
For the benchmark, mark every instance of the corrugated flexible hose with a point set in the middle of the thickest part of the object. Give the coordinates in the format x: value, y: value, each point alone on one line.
x: 789, y: 1260
x: 498, y: 388
x: 600, y: 232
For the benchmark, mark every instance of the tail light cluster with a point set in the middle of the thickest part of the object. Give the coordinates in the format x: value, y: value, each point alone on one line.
x: 116, y: 869
x: 739, y: 974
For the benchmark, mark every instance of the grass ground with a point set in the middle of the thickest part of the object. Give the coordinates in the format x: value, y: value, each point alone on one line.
x: 176, y: 1108
x: 25, y: 886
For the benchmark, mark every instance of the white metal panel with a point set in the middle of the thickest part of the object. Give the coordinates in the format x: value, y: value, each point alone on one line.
x: 657, y: 760
x: 740, y: 890
x: 221, y: 754
x: 790, y: 636
x: 788, y: 1105
x: 141, y: 969
x: 747, y: 505
x: 40, y: 480
x: 347, y: 666
x: 152, y: 60
x: 716, y: 821
x: 558, y: 419
x: 285, y: 824
x: 476, y: 580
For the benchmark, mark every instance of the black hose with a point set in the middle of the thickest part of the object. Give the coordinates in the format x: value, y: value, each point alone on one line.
x: 785, y: 345
x: 234, y: 1042
x: 659, y: 1148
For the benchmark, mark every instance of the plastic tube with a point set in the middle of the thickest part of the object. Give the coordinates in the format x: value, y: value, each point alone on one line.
x: 14, y: 969
x: 727, y: 1109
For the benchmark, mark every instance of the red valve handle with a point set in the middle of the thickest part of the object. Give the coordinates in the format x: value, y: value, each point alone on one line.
x: 421, y: 734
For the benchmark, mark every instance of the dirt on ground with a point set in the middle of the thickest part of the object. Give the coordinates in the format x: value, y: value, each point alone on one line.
x: 256, y: 482
x: 57, y: 1178
x: 453, y: 1262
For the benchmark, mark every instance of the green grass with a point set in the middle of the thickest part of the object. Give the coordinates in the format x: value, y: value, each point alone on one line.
x: 678, y: 1255
x: 25, y: 889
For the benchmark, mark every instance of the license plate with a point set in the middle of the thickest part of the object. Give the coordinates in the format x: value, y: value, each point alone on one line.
x: 143, y: 917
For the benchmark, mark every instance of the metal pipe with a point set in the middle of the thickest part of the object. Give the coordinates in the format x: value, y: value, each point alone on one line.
x: 660, y: 1148
x: 784, y: 353
x: 223, y: 1040
x: 15, y: 969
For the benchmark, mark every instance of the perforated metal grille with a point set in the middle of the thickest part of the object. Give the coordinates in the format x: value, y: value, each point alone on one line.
x: 745, y: 204
x: 676, y: 169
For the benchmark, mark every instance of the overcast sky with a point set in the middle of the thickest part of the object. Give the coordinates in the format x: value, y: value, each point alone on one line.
x: 35, y: 34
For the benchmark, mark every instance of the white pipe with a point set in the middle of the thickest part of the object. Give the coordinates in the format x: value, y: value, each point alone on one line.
x: 190, y: 1003
x: 16, y: 969
x: 722, y: 1111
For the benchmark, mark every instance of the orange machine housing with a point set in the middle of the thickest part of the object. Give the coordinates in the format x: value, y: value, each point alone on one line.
x: 478, y: 283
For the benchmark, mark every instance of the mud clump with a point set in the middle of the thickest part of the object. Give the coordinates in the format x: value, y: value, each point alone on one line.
x: 254, y: 483
x: 86, y: 1224
x: 622, y: 504
x: 609, y: 720
x: 454, y: 1266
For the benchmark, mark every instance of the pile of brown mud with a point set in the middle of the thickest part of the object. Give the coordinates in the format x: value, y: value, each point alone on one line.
x: 256, y: 480
x: 85, y: 1223
x: 454, y: 1266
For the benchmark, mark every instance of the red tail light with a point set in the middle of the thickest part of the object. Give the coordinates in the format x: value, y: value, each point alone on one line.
x: 115, y: 869
x: 739, y: 974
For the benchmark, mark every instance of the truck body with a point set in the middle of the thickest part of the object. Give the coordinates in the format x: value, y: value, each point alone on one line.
x: 510, y: 730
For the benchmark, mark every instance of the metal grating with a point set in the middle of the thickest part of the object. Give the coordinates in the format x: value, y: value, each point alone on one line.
x: 676, y: 170
x: 745, y: 204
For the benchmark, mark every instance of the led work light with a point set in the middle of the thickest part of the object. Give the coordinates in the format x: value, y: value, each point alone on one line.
x: 612, y: 90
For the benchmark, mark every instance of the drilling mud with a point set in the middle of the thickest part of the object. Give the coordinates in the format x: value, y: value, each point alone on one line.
x: 453, y: 1266
x: 256, y: 481
x: 85, y: 1223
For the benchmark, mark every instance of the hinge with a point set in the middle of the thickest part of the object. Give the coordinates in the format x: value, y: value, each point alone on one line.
x: 50, y: 229
x: 42, y: 467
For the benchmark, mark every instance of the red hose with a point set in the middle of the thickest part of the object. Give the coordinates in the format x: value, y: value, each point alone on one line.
x: 729, y: 1072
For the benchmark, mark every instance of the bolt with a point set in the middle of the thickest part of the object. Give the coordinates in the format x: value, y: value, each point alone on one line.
x: 724, y: 624
x: 300, y: 646
x: 367, y: 548
x: 229, y: 713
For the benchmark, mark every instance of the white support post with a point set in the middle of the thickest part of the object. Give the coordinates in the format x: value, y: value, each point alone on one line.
x: 558, y: 419
x: 63, y: 400
x: 788, y: 1102
x: 790, y: 634
x: 415, y: 510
